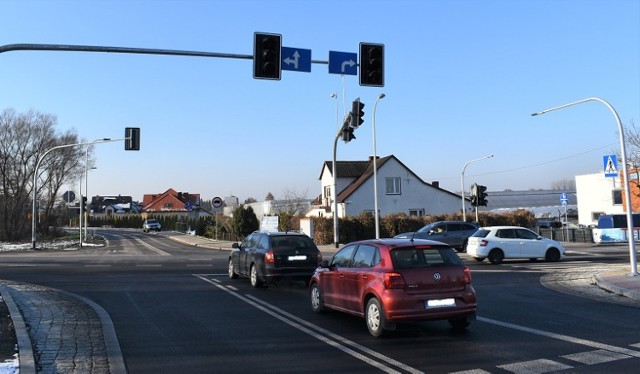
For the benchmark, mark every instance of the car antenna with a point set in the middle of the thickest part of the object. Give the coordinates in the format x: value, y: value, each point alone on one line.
x: 412, y: 236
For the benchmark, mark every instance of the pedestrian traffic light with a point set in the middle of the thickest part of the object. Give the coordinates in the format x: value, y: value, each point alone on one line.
x: 482, y: 195
x: 266, y: 56
x: 357, y: 113
x: 132, y: 139
x: 371, y: 64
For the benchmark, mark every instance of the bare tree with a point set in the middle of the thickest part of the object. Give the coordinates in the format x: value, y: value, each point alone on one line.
x: 24, y: 138
x: 564, y: 184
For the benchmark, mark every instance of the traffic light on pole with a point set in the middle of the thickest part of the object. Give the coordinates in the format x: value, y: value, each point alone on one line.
x: 266, y: 56
x: 347, y: 134
x: 482, y: 195
x: 371, y: 64
x: 132, y: 139
x: 474, y: 195
x: 357, y: 113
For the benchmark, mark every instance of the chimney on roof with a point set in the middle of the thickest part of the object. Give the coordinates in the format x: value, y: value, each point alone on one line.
x: 435, y: 184
x: 371, y: 158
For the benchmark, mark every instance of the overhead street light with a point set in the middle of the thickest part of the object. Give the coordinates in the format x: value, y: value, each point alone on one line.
x: 375, y: 169
x: 464, y: 213
x: 625, y: 175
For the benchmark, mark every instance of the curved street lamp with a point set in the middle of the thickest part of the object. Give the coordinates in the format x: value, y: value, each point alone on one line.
x: 464, y: 213
x: 625, y: 175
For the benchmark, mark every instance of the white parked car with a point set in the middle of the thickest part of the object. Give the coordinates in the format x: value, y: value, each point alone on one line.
x: 501, y: 242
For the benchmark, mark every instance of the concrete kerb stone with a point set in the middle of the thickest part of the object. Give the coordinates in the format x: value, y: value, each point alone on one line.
x: 25, y: 348
x: 619, y: 282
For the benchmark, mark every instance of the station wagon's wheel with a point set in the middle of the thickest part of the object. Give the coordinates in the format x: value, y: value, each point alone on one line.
x: 459, y: 323
x: 232, y: 270
x: 496, y: 256
x: 552, y: 255
x: 374, y: 315
x: 253, y: 276
x: 316, y: 299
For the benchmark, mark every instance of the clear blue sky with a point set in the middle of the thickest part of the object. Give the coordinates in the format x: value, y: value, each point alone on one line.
x: 462, y: 78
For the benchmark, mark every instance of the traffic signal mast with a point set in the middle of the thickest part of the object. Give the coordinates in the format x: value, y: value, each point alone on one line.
x: 353, y: 120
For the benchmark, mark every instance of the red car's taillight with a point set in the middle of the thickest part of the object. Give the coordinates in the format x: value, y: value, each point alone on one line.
x: 269, y: 258
x: 467, y: 275
x: 393, y: 280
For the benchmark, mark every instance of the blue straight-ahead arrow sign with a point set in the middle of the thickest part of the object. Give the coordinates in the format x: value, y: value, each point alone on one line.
x: 296, y: 59
x: 343, y: 63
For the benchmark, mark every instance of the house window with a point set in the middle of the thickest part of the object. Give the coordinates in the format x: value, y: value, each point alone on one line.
x: 416, y: 212
x: 168, y: 206
x: 326, y: 198
x: 393, y: 186
x: 617, y: 197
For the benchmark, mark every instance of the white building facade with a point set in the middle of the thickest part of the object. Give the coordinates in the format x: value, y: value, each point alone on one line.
x: 598, y: 195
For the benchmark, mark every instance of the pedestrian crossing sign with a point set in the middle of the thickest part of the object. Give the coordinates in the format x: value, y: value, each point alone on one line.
x: 610, y: 164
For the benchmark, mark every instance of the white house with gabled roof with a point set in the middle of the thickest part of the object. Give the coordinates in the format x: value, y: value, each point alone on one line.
x: 400, y: 190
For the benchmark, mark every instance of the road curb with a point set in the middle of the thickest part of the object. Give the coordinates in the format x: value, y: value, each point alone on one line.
x: 25, y: 348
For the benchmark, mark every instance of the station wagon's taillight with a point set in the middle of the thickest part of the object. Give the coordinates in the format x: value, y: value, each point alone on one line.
x: 484, y: 242
x: 269, y: 257
x: 393, y: 281
x: 467, y: 275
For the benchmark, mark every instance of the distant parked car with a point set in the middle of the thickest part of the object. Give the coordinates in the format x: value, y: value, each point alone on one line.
x: 454, y: 233
x: 151, y: 225
x: 497, y: 243
x: 387, y: 281
x: 267, y: 257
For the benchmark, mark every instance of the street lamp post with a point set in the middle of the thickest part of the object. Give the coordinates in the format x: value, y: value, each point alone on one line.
x: 464, y: 213
x: 35, y: 183
x: 334, y: 192
x: 375, y: 169
x: 625, y: 175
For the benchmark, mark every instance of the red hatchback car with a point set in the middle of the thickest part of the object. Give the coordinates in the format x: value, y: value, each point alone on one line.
x: 387, y: 281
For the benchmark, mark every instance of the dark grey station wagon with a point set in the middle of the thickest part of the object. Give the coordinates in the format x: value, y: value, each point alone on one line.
x: 267, y: 257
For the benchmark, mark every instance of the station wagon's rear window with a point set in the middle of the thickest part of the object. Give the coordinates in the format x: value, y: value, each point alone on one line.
x: 412, y: 257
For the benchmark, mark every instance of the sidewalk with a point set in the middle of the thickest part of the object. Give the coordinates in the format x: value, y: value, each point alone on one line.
x: 71, y: 334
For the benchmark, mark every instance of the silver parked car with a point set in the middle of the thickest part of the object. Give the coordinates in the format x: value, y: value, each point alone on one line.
x: 453, y: 233
x: 497, y: 243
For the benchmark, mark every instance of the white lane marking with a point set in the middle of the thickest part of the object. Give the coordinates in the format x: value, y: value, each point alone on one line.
x: 338, y: 337
x: 156, y: 250
x: 535, y: 367
x: 599, y: 356
x: 566, y: 338
x: 307, y: 331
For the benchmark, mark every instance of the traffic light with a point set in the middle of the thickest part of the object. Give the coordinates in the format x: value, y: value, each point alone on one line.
x: 357, y: 113
x: 347, y: 134
x: 266, y: 56
x: 474, y: 195
x: 132, y: 139
x: 482, y: 195
x: 371, y: 64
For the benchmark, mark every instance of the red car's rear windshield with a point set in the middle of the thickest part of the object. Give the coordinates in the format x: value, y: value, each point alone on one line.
x: 420, y: 257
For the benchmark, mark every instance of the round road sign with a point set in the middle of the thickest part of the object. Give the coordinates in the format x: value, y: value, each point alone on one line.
x: 216, y: 202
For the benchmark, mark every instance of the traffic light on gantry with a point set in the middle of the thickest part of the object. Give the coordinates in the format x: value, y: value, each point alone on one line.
x: 132, y: 139
x: 266, y: 56
x: 357, y: 113
x: 371, y: 64
x: 482, y: 195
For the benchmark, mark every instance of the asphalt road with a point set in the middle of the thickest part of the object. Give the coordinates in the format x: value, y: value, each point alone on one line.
x: 174, y: 309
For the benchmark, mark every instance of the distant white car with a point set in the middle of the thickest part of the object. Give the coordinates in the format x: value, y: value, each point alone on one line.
x: 151, y: 225
x: 497, y: 243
